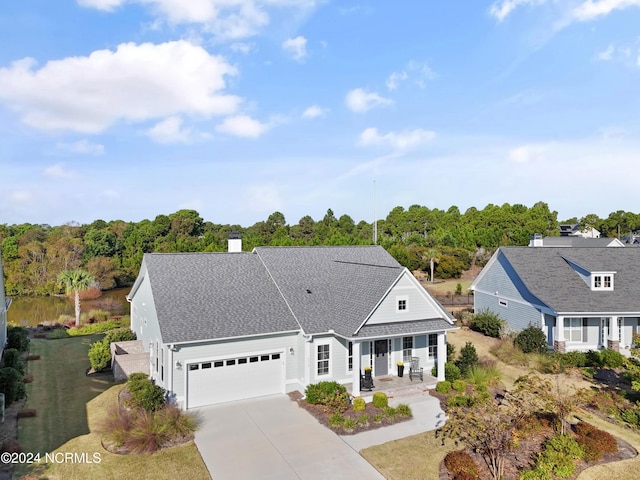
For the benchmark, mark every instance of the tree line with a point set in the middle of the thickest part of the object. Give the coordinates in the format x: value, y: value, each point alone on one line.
x: 34, y: 255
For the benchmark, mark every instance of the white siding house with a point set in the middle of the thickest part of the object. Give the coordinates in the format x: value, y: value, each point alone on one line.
x: 4, y: 307
x: 226, y: 326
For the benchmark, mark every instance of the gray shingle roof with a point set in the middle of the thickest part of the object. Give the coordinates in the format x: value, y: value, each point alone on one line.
x: 547, y: 275
x: 579, y: 242
x: 202, y: 296
x: 345, y: 283
x: 408, y: 328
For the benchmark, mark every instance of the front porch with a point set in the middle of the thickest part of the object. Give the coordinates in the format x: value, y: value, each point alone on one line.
x: 395, y: 386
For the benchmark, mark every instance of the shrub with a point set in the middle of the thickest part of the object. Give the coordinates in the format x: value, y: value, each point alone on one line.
x: 100, y: 327
x: 451, y: 372
x: 145, y: 394
x: 12, y: 385
x: 631, y: 416
x: 531, y: 340
x: 349, y: 424
x: 57, y: 333
x: 468, y: 358
x: 594, y: 442
x: 96, y: 315
x: 458, y: 289
x: 390, y: 412
x: 461, y: 401
x: 336, y: 402
x: 179, y: 424
x: 316, y: 393
x: 611, y: 358
x: 404, y: 410
x: 482, y: 375
x: 99, y: 355
x: 336, y: 420
x: 359, y: 404
x: 377, y: 418
x: 380, y: 400
x: 536, y: 474
x: 459, y: 386
x: 593, y: 359
x: 18, y: 338
x: 451, y: 352
x: 488, y: 323
x: 122, y: 334
x: 443, y: 387
x: 572, y: 359
x: 13, y: 358
x: 459, y: 461
x: 363, y: 419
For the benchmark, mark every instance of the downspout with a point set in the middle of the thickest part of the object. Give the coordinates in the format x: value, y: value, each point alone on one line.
x: 170, y: 372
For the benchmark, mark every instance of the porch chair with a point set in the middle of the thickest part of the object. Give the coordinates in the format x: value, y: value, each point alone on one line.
x: 416, y: 369
x: 366, y: 381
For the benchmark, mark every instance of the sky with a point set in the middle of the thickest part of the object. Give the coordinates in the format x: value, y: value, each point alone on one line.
x: 126, y: 109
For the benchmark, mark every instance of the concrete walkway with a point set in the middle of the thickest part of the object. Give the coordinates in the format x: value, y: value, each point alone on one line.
x: 272, y: 438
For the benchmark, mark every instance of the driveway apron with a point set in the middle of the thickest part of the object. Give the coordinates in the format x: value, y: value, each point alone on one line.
x: 272, y: 438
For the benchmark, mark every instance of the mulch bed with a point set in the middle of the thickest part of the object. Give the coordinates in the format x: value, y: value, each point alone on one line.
x: 320, y: 414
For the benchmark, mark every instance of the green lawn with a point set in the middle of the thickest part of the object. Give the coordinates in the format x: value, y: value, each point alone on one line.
x: 59, y: 393
x: 448, y: 286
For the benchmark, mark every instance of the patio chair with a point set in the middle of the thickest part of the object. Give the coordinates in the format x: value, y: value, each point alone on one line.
x: 416, y: 369
x: 366, y: 381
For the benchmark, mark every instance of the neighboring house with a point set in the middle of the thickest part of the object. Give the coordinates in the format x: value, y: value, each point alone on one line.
x: 220, y: 327
x: 574, y: 229
x: 582, y: 298
x: 4, y: 307
x: 573, y: 241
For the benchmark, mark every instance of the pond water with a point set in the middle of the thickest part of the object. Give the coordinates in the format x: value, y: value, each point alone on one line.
x: 34, y: 310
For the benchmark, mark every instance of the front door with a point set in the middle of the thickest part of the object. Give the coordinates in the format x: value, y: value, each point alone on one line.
x: 381, y: 366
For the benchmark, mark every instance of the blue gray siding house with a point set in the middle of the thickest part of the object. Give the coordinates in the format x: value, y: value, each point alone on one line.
x: 582, y: 298
x: 226, y: 326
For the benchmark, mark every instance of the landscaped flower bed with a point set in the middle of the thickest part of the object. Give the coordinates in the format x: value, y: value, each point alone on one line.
x: 329, y: 403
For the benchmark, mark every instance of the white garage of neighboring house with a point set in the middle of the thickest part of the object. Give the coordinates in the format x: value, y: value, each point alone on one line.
x: 220, y: 327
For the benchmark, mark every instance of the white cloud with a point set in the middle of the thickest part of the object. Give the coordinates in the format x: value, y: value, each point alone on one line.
x: 226, y: 19
x: 527, y: 154
x: 82, y: 147
x: 591, y: 9
x: 503, y: 9
x: 296, y: 47
x: 133, y: 83
x: 314, y: 111
x: 58, y: 171
x: 397, y: 140
x: 606, y: 54
x: 360, y: 101
x: 242, y: 47
x: 263, y: 199
x: 242, y: 126
x: 394, y: 79
x: 21, y: 197
x: 170, y: 130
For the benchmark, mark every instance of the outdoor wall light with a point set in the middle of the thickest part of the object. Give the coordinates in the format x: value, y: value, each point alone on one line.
x: 178, y: 365
x: 291, y: 351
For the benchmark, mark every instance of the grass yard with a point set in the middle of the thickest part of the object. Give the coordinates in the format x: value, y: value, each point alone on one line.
x: 447, y: 286
x: 59, y: 393
x: 183, y: 461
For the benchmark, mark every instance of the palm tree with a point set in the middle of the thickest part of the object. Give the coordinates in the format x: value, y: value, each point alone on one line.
x: 432, y: 255
x: 76, y: 281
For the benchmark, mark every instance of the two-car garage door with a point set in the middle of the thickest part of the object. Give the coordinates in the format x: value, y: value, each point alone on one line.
x: 234, y: 378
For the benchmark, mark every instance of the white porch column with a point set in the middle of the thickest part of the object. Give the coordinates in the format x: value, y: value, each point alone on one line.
x: 355, y: 377
x: 614, y: 334
x: 442, y: 355
x: 559, y: 329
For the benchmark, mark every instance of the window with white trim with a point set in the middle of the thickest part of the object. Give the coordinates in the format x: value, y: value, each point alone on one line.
x: 433, y: 345
x: 602, y: 281
x: 407, y: 349
x: 323, y: 359
x: 573, y: 329
x: 350, y: 357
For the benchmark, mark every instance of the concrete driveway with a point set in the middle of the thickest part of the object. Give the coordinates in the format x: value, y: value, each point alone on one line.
x: 272, y: 438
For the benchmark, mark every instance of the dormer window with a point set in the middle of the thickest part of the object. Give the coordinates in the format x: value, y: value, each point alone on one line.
x: 602, y: 281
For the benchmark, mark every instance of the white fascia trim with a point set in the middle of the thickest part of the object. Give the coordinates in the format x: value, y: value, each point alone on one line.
x: 240, y: 337
x: 406, y: 334
x: 599, y: 314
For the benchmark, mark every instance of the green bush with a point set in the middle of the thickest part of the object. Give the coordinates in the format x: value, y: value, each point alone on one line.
x: 451, y: 372
x: 559, y: 456
x: 459, y: 386
x: 611, y: 358
x: 451, y: 352
x: 122, y: 334
x: 145, y: 394
x: 461, y: 401
x: 363, y: 420
x: 12, y: 385
x: 488, y: 323
x: 531, y: 340
x: 336, y: 402
x: 443, y: 387
x: 631, y: 416
x: 536, y: 474
x: 100, y: 327
x: 57, y: 334
x: 336, y: 420
x: 99, y: 355
x: 593, y: 359
x: 13, y: 358
x: 18, y: 338
x: 377, y: 417
x: 350, y: 424
x: 380, y: 400
x: 404, y: 410
x: 468, y: 358
x: 316, y: 393
x: 572, y: 359
x: 96, y: 315
x: 459, y: 461
x: 390, y: 412
x: 359, y: 404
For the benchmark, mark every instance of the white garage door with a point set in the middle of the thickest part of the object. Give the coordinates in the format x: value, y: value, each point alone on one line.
x: 234, y: 378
